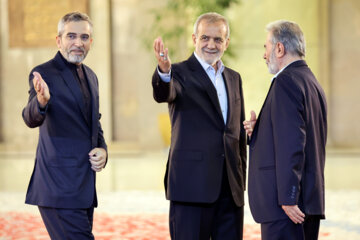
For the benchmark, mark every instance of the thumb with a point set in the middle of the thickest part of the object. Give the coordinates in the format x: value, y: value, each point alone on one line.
x: 253, y: 116
x: 92, y: 152
x: 37, y: 75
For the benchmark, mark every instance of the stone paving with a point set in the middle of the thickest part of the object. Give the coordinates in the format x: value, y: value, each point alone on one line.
x: 132, y: 203
x: 137, y: 214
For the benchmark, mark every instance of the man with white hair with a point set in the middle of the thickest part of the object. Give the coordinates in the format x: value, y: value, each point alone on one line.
x: 206, y: 169
x: 287, y: 142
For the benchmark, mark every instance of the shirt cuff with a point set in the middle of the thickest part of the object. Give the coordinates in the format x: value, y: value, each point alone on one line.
x: 165, y: 77
x: 42, y: 110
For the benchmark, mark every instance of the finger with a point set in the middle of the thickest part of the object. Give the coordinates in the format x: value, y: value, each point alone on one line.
x: 157, y: 45
x: 166, y: 55
x: 157, y: 48
x: 161, y: 47
x: 96, y: 169
x: 35, y: 83
x: 36, y: 75
x: 299, y: 212
x: 97, y: 159
x: 154, y: 45
x: 96, y: 164
x: 297, y: 219
x: 252, y: 116
x: 93, y: 152
x: 42, y: 87
x: 295, y: 215
x: 40, y: 90
x: 38, y: 86
x: 35, y: 80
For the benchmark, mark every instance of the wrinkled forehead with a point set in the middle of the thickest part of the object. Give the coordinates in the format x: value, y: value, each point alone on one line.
x: 78, y: 27
x: 214, y: 28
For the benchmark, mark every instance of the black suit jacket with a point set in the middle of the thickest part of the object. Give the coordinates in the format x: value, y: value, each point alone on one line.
x: 200, y: 141
x: 287, y: 147
x: 62, y: 176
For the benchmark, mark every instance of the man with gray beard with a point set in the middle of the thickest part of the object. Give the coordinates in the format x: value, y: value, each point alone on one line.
x: 287, y: 142
x: 64, y: 104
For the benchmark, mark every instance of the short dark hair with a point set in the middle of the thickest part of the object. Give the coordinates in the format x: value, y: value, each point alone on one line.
x: 73, y: 17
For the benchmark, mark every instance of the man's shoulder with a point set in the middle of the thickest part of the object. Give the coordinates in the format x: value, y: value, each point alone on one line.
x: 45, y: 67
x: 181, y: 64
x: 231, y: 71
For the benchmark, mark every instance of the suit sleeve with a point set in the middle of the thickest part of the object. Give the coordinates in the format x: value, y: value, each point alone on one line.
x: 101, y: 139
x: 163, y: 91
x: 242, y: 142
x: 32, y: 114
x: 289, y: 135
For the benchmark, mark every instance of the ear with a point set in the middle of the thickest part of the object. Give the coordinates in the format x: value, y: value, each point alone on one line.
x: 279, y: 50
x: 227, y: 43
x: 58, y: 41
x: 194, y: 39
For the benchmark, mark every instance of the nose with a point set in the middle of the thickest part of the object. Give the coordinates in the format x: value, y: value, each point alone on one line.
x: 264, y: 56
x: 211, y: 44
x: 78, y: 41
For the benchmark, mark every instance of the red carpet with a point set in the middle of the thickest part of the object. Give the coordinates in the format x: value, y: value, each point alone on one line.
x: 26, y: 226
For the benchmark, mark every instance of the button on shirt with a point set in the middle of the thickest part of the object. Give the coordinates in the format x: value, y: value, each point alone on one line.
x: 216, y: 79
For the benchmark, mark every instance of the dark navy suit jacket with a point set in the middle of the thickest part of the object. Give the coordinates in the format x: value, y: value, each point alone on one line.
x: 62, y: 176
x: 287, y: 147
x: 200, y: 140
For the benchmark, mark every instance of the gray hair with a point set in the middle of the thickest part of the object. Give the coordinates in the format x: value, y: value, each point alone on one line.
x: 73, y: 17
x: 212, y: 17
x: 289, y: 34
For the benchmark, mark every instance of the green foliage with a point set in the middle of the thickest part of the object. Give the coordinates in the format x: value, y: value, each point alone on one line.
x: 174, y: 23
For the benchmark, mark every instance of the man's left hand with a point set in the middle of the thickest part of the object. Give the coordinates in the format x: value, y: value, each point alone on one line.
x: 294, y: 213
x: 97, y: 158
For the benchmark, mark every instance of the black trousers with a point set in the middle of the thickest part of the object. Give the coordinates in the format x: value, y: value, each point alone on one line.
x: 221, y: 220
x: 287, y: 230
x: 68, y: 224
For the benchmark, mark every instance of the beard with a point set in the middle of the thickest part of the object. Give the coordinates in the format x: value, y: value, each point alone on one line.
x: 74, y: 58
x: 272, y: 65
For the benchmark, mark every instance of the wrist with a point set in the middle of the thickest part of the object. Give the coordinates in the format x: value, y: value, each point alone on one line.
x: 165, y: 71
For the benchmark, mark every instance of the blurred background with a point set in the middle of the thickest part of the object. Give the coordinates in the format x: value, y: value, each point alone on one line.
x: 123, y: 59
x: 136, y: 128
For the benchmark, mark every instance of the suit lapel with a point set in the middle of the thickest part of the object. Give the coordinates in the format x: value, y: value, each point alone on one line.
x: 70, y: 81
x: 298, y: 63
x: 93, y: 91
x: 230, y: 94
x: 205, y: 81
x: 259, y: 116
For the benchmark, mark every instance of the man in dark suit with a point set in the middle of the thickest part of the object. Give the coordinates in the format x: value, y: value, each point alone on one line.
x: 287, y: 142
x: 205, y: 175
x: 64, y: 104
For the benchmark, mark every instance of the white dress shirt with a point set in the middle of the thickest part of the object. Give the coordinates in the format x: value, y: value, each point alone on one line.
x: 216, y: 79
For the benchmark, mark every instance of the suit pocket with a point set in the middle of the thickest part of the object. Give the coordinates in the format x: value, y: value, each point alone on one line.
x: 187, y: 155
